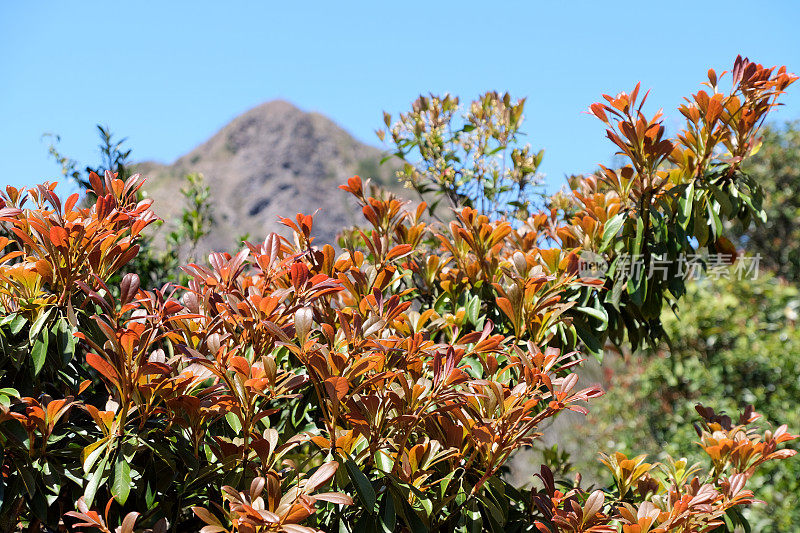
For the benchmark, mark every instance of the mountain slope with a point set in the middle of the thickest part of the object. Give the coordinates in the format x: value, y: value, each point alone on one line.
x: 274, y: 160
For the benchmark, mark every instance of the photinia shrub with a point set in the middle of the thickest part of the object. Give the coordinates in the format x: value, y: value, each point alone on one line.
x: 291, y: 387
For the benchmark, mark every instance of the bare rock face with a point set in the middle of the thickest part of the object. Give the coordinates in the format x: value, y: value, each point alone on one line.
x: 274, y: 160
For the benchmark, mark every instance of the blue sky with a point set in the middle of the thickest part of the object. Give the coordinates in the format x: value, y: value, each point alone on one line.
x: 169, y: 74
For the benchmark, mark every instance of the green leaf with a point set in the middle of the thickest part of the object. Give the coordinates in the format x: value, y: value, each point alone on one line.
x: 427, y: 505
x: 445, y: 482
x: 637, y: 243
x: 616, y: 292
x: 5, y: 396
x: 38, y: 504
x: 121, y: 487
x: 637, y: 288
x: 28, y: 479
x: 489, y: 504
x: 473, y: 310
x: 440, y: 303
x: 413, y: 520
x: 700, y: 228
x: 233, y: 422
x: 599, y: 314
x: 688, y: 204
x: 726, y: 207
x: 38, y: 324
x: 92, y: 453
x: 474, y: 521
x: 94, y: 482
x: 8, y: 391
x: 362, y: 484
x: 150, y: 495
x: 39, y: 353
x: 17, y: 324
x: 388, y: 517
x: 611, y: 229
x: 64, y: 339
x: 365, y: 524
x: 717, y: 223
x: 589, y: 339
x: 383, y: 461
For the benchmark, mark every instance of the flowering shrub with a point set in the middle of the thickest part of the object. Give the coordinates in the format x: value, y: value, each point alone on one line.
x: 292, y: 388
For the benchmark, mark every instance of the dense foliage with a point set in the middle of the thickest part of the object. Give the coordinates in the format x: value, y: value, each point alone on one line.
x: 154, y: 264
x: 734, y: 342
x: 288, y: 387
x: 776, y: 166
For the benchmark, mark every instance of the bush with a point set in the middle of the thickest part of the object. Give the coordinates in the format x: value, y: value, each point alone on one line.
x: 734, y: 343
x: 288, y: 387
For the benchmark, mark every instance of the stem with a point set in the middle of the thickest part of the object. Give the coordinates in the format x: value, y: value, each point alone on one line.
x: 417, y: 419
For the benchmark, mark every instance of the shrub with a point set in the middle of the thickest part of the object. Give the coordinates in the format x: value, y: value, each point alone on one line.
x: 734, y: 343
x: 288, y: 387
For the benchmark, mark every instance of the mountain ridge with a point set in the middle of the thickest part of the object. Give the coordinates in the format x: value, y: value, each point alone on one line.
x: 272, y: 160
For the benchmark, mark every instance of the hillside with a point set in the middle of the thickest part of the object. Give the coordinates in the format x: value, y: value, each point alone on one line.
x: 274, y: 160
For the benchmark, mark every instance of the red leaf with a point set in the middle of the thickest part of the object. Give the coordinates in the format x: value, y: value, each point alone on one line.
x: 59, y: 236
x: 103, y: 367
x: 401, y: 250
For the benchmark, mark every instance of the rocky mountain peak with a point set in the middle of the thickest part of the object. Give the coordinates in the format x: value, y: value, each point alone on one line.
x: 273, y: 160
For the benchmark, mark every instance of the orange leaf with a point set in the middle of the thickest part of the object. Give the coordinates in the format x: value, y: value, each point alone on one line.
x: 597, y: 109
x: 507, y: 308
x: 337, y: 387
x: 401, y: 250
x: 103, y: 367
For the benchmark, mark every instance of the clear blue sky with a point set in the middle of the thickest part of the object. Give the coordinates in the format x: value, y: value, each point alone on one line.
x: 168, y: 74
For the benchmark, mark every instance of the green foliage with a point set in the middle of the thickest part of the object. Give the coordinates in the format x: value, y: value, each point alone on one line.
x: 776, y: 168
x: 733, y: 343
